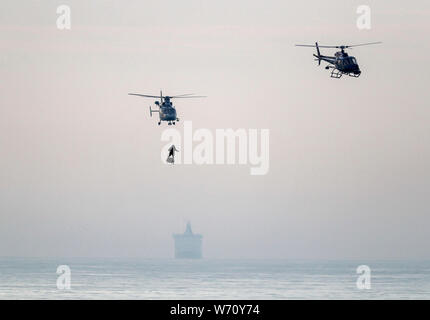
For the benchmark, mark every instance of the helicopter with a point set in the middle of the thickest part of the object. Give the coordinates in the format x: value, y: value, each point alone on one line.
x: 166, y: 110
x: 341, y: 63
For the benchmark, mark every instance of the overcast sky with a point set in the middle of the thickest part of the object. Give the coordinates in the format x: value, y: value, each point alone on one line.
x: 80, y: 168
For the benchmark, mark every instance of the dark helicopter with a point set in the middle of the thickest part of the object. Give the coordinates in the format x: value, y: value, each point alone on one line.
x: 166, y: 110
x: 341, y: 63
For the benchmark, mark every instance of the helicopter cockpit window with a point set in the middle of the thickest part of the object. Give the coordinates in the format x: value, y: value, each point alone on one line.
x: 354, y: 61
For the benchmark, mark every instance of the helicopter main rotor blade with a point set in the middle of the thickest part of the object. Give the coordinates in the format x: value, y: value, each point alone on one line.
x: 184, y: 97
x: 313, y: 46
x: 338, y: 47
x: 181, y: 95
x: 143, y: 95
x: 363, y: 44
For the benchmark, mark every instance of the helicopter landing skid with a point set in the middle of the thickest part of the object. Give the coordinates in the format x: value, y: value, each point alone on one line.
x: 354, y: 75
x: 335, y: 73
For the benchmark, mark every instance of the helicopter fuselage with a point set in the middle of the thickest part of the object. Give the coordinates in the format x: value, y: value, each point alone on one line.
x: 167, y: 112
x: 346, y: 63
x: 343, y: 62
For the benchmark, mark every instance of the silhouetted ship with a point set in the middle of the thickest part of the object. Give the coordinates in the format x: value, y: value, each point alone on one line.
x: 188, y: 245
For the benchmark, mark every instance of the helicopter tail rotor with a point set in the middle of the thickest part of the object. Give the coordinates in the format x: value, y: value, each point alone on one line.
x: 318, y: 55
x: 151, y: 111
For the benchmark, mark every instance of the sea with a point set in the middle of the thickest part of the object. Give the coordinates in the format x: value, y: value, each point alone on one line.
x: 127, y: 278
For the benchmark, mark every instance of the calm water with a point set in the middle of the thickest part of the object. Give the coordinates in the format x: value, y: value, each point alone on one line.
x: 211, y: 279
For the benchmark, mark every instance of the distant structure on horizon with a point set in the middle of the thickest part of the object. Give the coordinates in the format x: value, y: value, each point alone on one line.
x: 188, y: 245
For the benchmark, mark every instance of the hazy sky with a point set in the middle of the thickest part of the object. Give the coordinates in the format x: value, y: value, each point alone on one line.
x: 80, y: 168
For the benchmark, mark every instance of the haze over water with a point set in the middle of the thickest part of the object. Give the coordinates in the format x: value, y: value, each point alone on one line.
x: 211, y: 279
